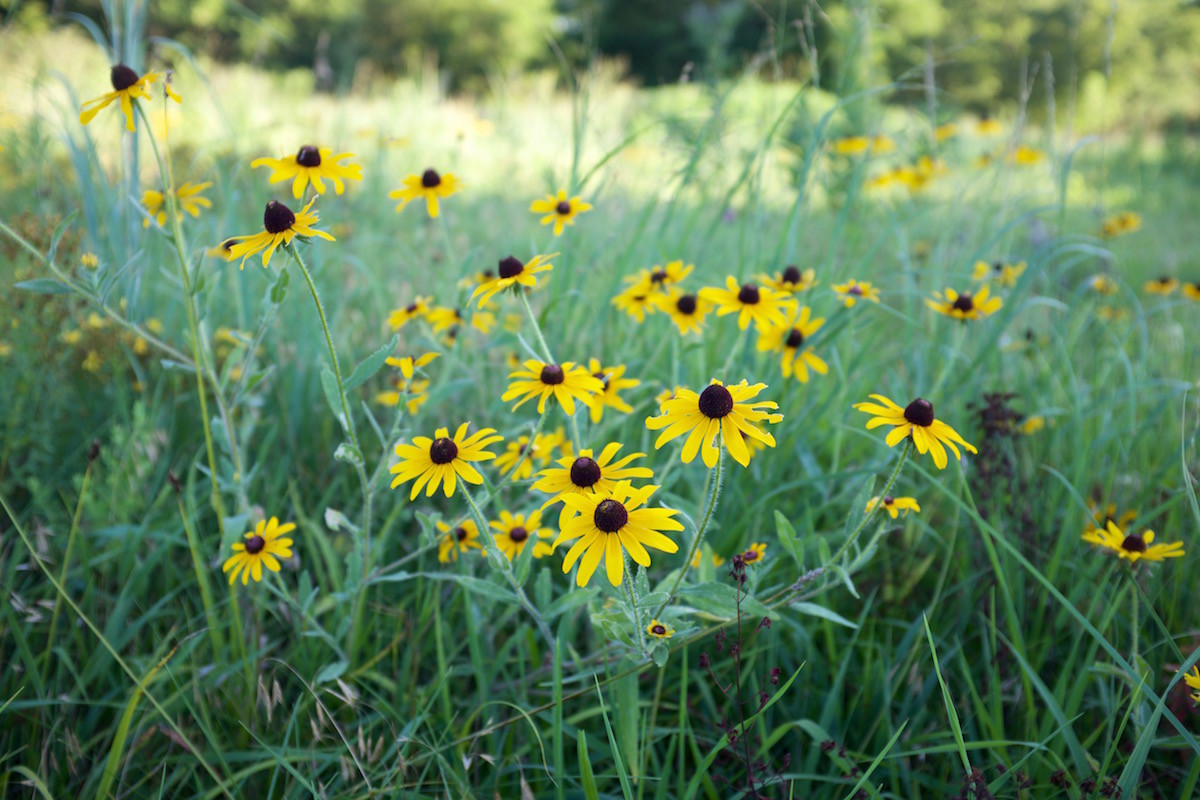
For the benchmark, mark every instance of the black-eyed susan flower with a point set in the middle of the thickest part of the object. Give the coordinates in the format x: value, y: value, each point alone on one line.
x: 1191, y: 290
x: 790, y: 340
x: 947, y: 130
x: 603, y: 524
x: 1032, y: 425
x: 637, y: 300
x: 187, y: 198
x: 514, y: 532
x: 852, y: 291
x: 565, y: 382
x: 1164, y: 285
x: 587, y: 473
x: 719, y: 409
x: 965, y: 305
x: 1103, y: 285
x: 659, y: 630
x: 402, y: 316
x: 442, y: 319
x: 754, y: 554
x: 1134, y: 546
x: 280, y: 227
x: 511, y: 272
x: 1120, y: 224
x: 894, y: 505
x: 407, y: 364
x: 615, y: 382
x: 660, y: 278
x: 792, y: 280
x: 1001, y: 272
x: 1025, y: 156
x: 918, y: 422
x: 459, y: 539
x: 430, y: 185
x: 1102, y: 515
x: 749, y: 301
x: 685, y: 310
x: 559, y: 210
x: 313, y: 165
x: 857, y: 145
x: 1193, y: 681
x: 525, y: 457
x: 127, y: 87
x: 442, y: 460
x: 264, y: 546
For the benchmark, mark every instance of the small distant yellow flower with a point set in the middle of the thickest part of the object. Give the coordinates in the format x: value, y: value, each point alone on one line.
x: 441, y: 318
x: 1191, y: 290
x: 516, y: 531
x: 524, y: 457
x: 187, y: 197
x: 894, y: 505
x: 95, y: 321
x: 659, y: 630
x: 565, y: 382
x: 264, y: 546
x: 987, y: 126
x: 416, y: 391
x: 459, y: 540
x: 559, y: 210
x: 605, y: 523
x: 614, y: 383
x: 71, y: 336
x: 1133, y: 547
x: 429, y: 185
x: 414, y: 310
x: 1121, y: 224
x: 93, y: 362
x: 512, y: 323
x: 312, y: 165
x: 945, y: 131
x: 717, y: 560
x: 792, y: 280
x: 1025, y: 155
x: 511, y: 272
x: 5, y: 349
x: 687, y: 311
x: 660, y: 278
x: 1162, y: 285
x: 754, y: 554
x: 964, y: 305
x: 141, y: 347
x: 917, y: 422
x: 765, y: 307
x: 852, y: 291
x: 1102, y: 285
x: 1102, y: 515
x: 789, y: 340
x: 89, y: 260
x: 718, y: 410
x: 280, y: 227
x: 442, y: 460
x: 637, y: 301
x: 1004, y: 274
x: 127, y: 86
x: 1033, y: 425
x: 856, y: 145
x: 407, y: 364
x: 1193, y: 681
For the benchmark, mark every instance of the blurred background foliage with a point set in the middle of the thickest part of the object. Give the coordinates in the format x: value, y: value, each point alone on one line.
x: 1136, y: 62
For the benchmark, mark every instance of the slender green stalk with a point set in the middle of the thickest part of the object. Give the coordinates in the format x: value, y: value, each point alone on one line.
x: 537, y: 329
x: 710, y: 505
x: 878, y: 509
x: 631, y: 593
x: 733, y: 353
x: 66, y: 563
x: 1135, y: 618
x: 210, y: 615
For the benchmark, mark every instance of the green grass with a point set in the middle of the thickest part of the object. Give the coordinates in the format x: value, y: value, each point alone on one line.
x: 981, y: 631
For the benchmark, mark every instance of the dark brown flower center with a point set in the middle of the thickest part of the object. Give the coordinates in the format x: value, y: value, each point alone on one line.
x: 563, y: 208
x: 791, y: 274
x: 715, y: 401
x: 658, y: 629
x: 1164, y: 280
x: 658, y: 276
x: 964, y: 302
x: 748, y: 295
x: 308, y: 156
x: 430, y: 179
x: 510, y: 267
x: 256, y: 543
x: 855, y: 290
x: 600, y: 376
x: 888, y: 500
x: 228, y: 244
x: 411, y: 308
x: 610, y: 516
x: 795, y: 338
x: 686, y: 304
x: 1134, y: 544
x: 750, y: 556
x: 123, y: 77
x: 919, y: 412
x: 277, y: 217
x: 443, y: 451
x: 518, y: 534
x: 585, y: 473
x: 461, y: 534
x: 552, y: 375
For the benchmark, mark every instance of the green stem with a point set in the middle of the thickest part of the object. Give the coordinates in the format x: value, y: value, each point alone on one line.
x: 537, y: 329
x: 878, y: 509
x: 710, y: 506
x: 62, y: 573
x: 631, y: 593
x: 1135, y: 620
x: 733, y: 353
x: 214, y: 629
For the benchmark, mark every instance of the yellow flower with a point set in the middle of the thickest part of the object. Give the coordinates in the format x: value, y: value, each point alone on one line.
x: 442, y: 460
x: 1101, y: 516
x: 280, y: 227
x: 402, y: 316
x: 637, y: 300
x: 407, y: 364
x: 187, y: 198
x: 264, y: 546
x: 511, y: 272
x: 127, y: 86
x: 559, y: 210
x: 222, y: 250
x: 791, y: 280
x: 605, y: 523
x: 1191, y: 290
x: 522, y: 456
x: 945, y: 131
x: 441, y: 318
x: 661, y: 278
x: 659, y: 630
x: 789, y: 339
x: 614, y: 382
x: 915, y: 421
x: 716, y: 559
x: 415, y: 391
x: 1102, y: 285
x: 586, y: 474
x: 852, y: 291
x: 1025, y: 155
x: 894, y: 505
x: 459, y: 540
x: 71, y: 336
x: 856, y: 145
x: 719, y: 409
x: 565, y: 382
x: 765, y: 307
x: 89, y: 260
x: 429, y: 185
x: 312, y: 165
x: 1121, y: 224
x: 987, y: 126
x: 1033, y: 425
x: 754, y: 553
x: 1193, y: 680
x: 1163, y: 285
x: 516, y: 531
x: 964, y: 305
x: 93, y: 362
x: 1133, y: 547
x: 687, y: 311
x: 1004, y: 274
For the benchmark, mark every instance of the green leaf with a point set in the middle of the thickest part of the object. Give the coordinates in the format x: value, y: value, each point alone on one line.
x: 331, y: 672
x: 44, y: 286
x: 279, y: 288
x: 719, y: 601
x: 370, y: 365
x: 586, y: 777
x: 787, y: 538
x: 858, y: 505
x: 349, y: 453
x: 660, y: 653
x: 815, y: 610
x: 569, y: 601
x: 329, y: 385
x: 118, y: 746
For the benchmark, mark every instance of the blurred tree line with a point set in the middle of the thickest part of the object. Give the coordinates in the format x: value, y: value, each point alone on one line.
x: 980, y: 53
